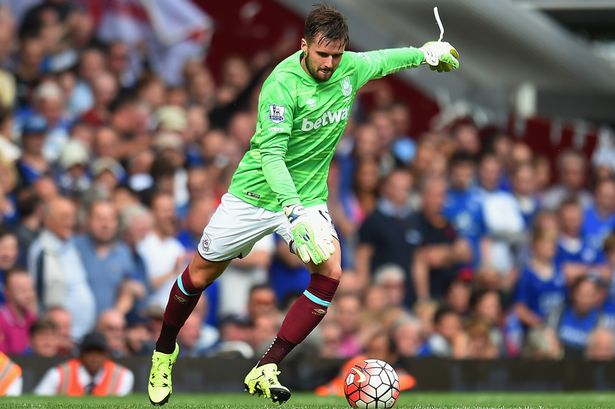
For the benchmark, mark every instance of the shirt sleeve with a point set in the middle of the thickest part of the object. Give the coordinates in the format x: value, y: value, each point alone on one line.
x: 48, y: 386
x: 275, y: 112
x: 522, y: 292
x: 379, y: 63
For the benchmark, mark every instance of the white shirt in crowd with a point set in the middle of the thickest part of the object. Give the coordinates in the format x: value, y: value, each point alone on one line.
x: 160, y: 256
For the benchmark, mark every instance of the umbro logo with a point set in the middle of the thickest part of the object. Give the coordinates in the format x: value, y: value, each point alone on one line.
x: 311, y: 103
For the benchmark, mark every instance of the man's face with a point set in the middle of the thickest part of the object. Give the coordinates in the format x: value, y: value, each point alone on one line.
x: 322, y: 57
x: 20, y: 290
x: 103, y: 223
x: 93, y: 360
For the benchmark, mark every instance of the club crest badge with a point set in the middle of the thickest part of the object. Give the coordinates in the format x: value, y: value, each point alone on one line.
x: 346, y: 87
x: 311, y: 103
x: 276, y: 113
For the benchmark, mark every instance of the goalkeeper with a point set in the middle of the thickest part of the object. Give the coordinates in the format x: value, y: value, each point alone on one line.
x: 280, y: 186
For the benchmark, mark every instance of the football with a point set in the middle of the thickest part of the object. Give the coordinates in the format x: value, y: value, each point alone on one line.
x: 371, y: 384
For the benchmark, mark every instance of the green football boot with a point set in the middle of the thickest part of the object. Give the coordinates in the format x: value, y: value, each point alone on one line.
x: 160, y: 386
x: 263, y: 381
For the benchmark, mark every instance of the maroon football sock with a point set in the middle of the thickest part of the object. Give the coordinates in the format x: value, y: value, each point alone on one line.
x: 303, y: 316
x: 182, y: 300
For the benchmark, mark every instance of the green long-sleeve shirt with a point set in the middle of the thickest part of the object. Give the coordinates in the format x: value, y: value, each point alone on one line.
x: 300, y: 121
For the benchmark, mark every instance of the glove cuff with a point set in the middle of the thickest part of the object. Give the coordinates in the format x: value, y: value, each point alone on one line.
x: 293, y: 212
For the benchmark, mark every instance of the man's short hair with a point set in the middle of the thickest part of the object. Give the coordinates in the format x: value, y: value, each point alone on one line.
x: 41, y: 325
x: 462, y: 158
x: 328, y: 22
x: 13, y: 272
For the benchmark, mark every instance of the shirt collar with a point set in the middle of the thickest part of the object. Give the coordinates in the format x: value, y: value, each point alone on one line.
x: 392, y: 210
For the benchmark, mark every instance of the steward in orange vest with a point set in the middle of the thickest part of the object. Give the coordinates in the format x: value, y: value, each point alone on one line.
x: 10, y: 377
x: 93, y: 373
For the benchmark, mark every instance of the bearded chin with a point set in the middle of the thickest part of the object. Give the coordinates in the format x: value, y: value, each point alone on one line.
x: 312, y: 70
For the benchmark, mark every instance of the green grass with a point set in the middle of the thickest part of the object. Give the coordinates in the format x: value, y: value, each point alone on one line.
x: 299, y: 401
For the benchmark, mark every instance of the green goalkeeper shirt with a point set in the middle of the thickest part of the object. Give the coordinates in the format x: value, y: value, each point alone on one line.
x: 300, y: 121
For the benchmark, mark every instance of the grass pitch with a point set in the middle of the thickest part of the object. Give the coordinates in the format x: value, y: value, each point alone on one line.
x: 410, y: 400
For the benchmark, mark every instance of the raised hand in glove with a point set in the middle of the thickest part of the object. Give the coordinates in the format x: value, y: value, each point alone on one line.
x: 440, y: 56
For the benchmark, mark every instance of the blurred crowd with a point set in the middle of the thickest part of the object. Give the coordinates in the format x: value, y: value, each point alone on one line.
x: 459, y: 242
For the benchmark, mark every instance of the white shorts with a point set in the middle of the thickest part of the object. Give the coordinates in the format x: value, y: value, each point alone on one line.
x: 236, y: 225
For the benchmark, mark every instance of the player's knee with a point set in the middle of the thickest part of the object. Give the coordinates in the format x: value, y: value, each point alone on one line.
x: 334, y: 272
x: 202, y: 272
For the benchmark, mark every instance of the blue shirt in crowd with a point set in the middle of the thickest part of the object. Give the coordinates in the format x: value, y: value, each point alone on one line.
x: 541, y: 296
x: 464, y: 210
x: 596, y: 229
x: 574, y: 329
x: 105, y: 274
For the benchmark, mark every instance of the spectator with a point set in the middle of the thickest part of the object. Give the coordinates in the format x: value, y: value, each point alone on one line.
x: 136, y: 224
x: 572, y: 172
x: 11, y: 381
x: 235, y: 337
x: 392, y: 279
x: 573, y: 252
x: 112, y: 325
x: 541, y: 286
x: 104, y: 90
x: 287, y: 274
x: 600, y: 345
x: 59, y: 274
x: 608, y: 270
x: 62, y: 320
x: 163, y: 254
x: 19, y: 312
x: 243, y: 273
x: 261, y: 301
x: 599, y: 218
x: 463, y: 202
x: 189, y: 336
x: 439, y: 249
x: 92, y: 373
x: 458, y: 295
x: 30, y: 209
x: 107, y: 260
x: 475, y: 342
x: 44, y: 340
x: 32, y: 164
x: 386, y: 234
x: 502, y: 215
x: 48, y: 102
x: 347, y: 309
x: 447, y: 331
x: 487, y: 307
x: 524, y: 190
x: 9, y: 250
x: 407, y: 336
x: 576, y: 320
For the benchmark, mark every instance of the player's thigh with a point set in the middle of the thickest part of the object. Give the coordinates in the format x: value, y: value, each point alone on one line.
x: 332, y: 267
x: 234, y: 228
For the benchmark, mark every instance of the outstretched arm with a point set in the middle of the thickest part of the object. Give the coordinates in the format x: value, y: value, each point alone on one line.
x: 440, y: 56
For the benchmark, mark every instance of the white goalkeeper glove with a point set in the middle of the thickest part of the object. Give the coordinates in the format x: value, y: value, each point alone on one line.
x: 440, y: 55
x: 311, y: 236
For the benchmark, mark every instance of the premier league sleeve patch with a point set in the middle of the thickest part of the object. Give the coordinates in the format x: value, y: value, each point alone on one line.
x: 276, y: 113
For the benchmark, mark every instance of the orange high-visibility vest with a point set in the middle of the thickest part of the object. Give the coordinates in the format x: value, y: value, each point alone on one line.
x: 109, y: 384
x: 9, y: 371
